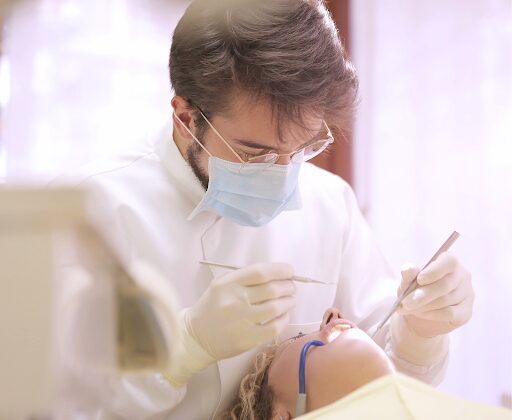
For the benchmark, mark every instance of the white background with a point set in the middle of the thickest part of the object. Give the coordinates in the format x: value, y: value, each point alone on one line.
x: 85, y: 78
x: 434, y: 154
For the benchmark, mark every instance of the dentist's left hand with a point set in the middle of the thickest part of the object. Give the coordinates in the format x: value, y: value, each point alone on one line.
x: 443, y: 300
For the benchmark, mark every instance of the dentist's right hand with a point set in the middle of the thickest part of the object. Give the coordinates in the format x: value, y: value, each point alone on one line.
x: 238, y: 311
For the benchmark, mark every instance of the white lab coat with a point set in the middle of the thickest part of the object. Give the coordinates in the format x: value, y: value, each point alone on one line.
x: 147, y: 197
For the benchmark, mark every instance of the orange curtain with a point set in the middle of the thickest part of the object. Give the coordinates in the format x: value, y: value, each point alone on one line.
x: 339, y: 159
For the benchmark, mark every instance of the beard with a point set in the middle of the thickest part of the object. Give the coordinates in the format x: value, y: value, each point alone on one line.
x: 194, y: 154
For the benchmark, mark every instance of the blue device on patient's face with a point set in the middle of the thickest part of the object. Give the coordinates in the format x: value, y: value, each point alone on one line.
x: 300, y: 408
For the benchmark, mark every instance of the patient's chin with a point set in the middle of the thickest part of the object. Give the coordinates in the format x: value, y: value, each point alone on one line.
x: 349, y: 362
x: 355, y: 343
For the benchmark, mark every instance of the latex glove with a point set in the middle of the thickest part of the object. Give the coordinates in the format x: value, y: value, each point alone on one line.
x: 442, y: 302
x: 238, y: 311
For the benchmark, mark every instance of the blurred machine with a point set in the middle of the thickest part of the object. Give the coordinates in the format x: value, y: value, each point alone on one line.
x: 28, y: 220
x: 38, y: 228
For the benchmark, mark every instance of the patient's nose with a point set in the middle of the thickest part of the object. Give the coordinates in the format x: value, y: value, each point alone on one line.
x: 330, y: 314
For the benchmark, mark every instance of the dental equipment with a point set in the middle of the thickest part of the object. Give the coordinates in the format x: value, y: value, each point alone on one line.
x: 414, y: 284
x: 300, y: 408
x: 140, y: 339
x: 235, y: 267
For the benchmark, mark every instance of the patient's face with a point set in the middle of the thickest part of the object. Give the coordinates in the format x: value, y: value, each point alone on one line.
x: 348, y: 360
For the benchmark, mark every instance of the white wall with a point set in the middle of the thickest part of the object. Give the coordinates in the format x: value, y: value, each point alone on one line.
x: 433, y: 148
x: 86, y: 78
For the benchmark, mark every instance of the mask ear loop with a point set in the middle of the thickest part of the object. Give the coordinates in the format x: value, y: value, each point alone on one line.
x: 300, y: 407
x: 192, y: 134
x: 222, y: 138
x: 242, y: 162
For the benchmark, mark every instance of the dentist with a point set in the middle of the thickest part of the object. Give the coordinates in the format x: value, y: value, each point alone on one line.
x: 261, y: 87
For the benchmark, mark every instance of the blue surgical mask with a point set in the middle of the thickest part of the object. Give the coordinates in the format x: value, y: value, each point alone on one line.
x: 250, y: 196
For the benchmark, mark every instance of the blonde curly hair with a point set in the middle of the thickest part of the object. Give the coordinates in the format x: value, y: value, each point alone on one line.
x: 254, y: 399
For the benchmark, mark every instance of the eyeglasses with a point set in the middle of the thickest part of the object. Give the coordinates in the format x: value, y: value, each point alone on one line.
x: 303, y: 154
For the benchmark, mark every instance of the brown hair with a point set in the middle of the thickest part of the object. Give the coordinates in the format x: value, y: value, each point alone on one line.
x: 254, y: 399
x: 285, y: 51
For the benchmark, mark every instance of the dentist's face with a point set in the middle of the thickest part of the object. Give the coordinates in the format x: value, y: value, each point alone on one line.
x: 348, y: 360
x: 249, y: 127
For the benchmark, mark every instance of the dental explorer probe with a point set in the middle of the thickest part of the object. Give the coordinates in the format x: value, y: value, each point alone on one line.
x: 236, y: 267
x: 414, y: 284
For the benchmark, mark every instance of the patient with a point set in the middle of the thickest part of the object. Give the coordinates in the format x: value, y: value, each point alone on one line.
x: 348, y: 360
x: 348, y: 377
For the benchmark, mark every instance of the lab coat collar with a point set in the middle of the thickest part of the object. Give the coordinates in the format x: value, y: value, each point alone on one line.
x: 178, y: 167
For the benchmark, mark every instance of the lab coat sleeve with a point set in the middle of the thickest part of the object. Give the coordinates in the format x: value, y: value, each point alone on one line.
x: 366, y: 291
x: 89, y: 384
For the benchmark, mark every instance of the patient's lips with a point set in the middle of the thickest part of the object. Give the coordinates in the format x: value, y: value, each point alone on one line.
x: 341, y: 327
x: 339, y: 321
x: 335, y: 327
